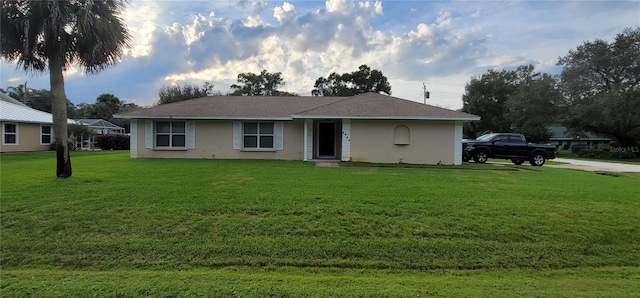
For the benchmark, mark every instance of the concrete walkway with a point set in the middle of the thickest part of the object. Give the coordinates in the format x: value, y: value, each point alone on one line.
x: 595, y: 166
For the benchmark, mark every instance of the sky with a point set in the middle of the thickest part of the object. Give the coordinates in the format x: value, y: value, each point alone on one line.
x: 441, y: 44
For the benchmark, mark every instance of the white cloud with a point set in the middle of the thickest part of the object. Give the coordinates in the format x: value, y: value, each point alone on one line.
x: 344, y: 7
x: 141, y: 22
x: 375, y: 7
x: 285, y: 12
x: 253, y: 20
x: 195, y: 30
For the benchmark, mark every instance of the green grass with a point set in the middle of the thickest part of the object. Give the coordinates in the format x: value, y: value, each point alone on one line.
x: 166, y: 227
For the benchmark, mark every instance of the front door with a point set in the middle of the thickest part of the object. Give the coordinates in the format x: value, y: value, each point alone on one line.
x: 327, y: 139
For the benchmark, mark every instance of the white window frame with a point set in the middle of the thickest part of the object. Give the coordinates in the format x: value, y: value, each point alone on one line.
x: 170, y: 134
x: 259, y: 135
x: 42, y: 134
x: 5, y: 133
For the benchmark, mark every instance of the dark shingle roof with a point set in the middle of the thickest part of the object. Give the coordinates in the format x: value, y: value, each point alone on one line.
x: 377, y: 106
x: 365, y: 106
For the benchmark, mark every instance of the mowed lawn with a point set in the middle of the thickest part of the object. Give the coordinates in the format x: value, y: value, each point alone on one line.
x: 191, y: 228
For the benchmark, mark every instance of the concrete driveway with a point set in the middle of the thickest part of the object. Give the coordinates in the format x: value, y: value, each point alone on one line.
x: 595, y: 166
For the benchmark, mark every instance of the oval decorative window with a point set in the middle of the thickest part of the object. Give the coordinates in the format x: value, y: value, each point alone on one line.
x: 401, y: 135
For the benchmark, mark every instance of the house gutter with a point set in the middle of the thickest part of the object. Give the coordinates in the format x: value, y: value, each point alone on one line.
x: 384, y: 117
x: 204, y: 117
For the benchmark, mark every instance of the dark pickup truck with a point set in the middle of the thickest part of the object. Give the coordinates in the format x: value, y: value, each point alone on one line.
x: 511, y: 146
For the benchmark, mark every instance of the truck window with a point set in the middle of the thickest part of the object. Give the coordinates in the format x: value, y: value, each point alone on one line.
x: 516, y: 140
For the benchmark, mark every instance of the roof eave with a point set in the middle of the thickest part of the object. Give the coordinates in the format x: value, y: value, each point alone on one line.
x: 271, y: 118
x: 69, y: 121
x: 385, y: 117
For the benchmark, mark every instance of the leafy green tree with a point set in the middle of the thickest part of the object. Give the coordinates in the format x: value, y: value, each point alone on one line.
x: 54, y: 35
x: 534, y: 106
x: 106, y: 105
x: 262, y: 84
x: 601, y: 85
x: 361, y: 81
x: 175, y: 93
x: 487, y: 96
x: 111, y: 102
x: 519, y: 100
x: 79, y: 132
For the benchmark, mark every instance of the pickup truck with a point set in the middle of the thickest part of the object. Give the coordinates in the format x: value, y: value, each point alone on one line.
x: 511, y: 146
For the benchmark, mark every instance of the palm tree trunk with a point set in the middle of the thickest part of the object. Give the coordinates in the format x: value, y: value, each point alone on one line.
x: 59, y: 111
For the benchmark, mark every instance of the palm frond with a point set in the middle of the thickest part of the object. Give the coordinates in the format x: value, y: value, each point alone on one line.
x: 86, y: 32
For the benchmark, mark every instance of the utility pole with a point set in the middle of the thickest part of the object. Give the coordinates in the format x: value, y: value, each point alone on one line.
x: 425, y: 92
x: 25, y: 99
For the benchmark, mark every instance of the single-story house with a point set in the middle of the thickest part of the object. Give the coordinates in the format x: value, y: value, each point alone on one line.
x: 368, y: 127
x: 24, y: 128
x: 563, y: 139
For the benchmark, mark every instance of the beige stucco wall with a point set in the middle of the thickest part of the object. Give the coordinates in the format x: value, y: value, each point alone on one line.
x: 214, y: 139
x: 28, y: 138
x: 431, y: 142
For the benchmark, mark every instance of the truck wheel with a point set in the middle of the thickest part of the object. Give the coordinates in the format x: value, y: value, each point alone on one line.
x: 517, y: 162
x: 537, y: 159
x: 480, y: 156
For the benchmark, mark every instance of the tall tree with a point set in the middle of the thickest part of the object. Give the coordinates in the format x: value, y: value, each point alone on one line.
x: 519, y: 100
x: 175, y: 93
x: 110, y: 101
x: 106, y: 105
x: 361, y: 81
x: 262, y: 84
x: 601, y: 85
x: 54, y: 35
x: 534, y: 106
x: 487, y: 97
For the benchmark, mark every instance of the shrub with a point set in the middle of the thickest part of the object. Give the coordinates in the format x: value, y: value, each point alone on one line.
x: 113, y: 142
x: 603, y: 154
x: 576, y: 149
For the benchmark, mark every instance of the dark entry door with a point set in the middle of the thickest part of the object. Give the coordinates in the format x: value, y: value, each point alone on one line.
x: 326, y: 139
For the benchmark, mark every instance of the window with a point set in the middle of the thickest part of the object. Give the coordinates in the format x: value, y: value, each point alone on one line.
x: 516, y: 140
x: 258, y: 135
x: 10, y: 134
x: 45, y: 134
x: 501, y: 139
x: 171, y: 134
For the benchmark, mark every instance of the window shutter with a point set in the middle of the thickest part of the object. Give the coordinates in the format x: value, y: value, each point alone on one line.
x: 191, y: 135
x: 237, y: 135
x: 279, y: 135
x: 148, y: 135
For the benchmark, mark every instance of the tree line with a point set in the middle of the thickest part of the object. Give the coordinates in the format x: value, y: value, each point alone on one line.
x: 266, y: 83
x: 597, y: 91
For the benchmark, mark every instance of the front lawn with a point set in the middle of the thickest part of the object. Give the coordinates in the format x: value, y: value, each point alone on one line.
x: 166, y: 227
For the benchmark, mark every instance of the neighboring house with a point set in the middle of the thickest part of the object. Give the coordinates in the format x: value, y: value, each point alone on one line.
x: 24, y: 128
x: 102, y: 127
x: 564, y: 140
x: 369, y: 127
